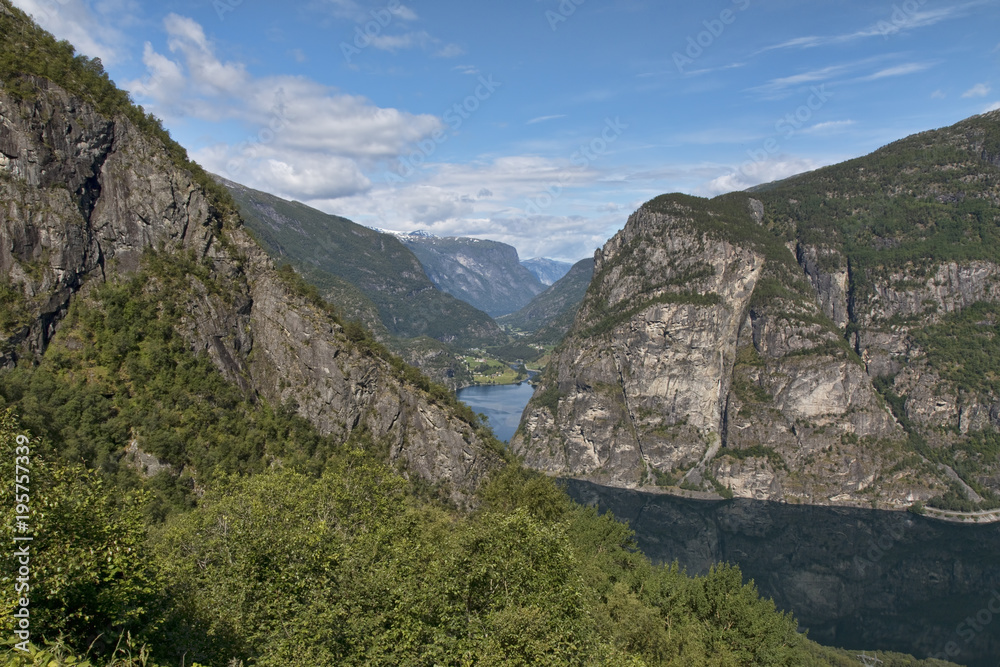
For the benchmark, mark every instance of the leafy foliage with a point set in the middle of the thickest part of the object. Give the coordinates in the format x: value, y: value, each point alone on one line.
x: 965, y: 348
x: 754, y: 452
x: 91, y: 577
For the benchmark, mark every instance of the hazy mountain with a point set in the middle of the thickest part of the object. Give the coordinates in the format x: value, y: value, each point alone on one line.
x: 486, y: 274
x: 832, y: 338
x: 548, y: 271
x: 550, y: 315
x: 332, y: 251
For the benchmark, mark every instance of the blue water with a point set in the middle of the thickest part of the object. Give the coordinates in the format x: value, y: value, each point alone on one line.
x: 502, y: 404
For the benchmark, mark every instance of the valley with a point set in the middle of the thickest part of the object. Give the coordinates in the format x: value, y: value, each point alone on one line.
x: 760, y: 427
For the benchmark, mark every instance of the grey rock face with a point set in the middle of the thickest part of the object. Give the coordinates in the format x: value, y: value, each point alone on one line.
x: 83, y: 197
x: 486, y: 274
x: 677, y: 373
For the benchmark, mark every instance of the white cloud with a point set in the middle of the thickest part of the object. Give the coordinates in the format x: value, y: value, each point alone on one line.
x: 828, y: 127
x: 318, y: 177
x: 450, y: 51
x: 897, y: 70
x: 756, y: 173
x: 993, y: 107
x: 209, y: 74
x: 305, y: 140
x: 542, y: 119
x: 89, y: 30
x: 409, y: 40
x: 978, y: 90
x: 938, y: 95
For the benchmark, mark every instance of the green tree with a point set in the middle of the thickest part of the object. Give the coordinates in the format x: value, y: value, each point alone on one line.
x: 92, y: 579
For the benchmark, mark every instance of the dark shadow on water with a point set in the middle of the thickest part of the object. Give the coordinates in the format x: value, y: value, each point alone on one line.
x: 855, y: 578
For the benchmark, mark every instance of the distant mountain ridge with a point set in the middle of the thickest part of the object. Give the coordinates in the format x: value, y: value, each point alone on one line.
x: 550, y: 315
x: 363, y: 270
x: 548, y: 271
x: 486, y: 274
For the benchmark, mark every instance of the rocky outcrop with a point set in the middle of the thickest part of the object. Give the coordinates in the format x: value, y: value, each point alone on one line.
x: 83, y: 197
x: 830, y: 339
x: 690, y: 364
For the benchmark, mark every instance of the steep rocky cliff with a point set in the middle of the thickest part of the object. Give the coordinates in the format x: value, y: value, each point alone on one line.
x: 85, y: 197
x: 828, y: 339
x: 486, y: 274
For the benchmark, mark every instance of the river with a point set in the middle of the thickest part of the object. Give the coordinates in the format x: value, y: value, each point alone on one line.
x: 502, y: 404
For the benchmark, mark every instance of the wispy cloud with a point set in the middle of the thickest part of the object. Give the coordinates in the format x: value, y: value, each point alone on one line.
x: 993, y: 107
x: 779, y: 85
x: 466, y: 69
x: 449, y: 51
x: 897, y: 70
x: 895, y: 22
x: 938, y: 95
x: 978, y: 90
x: 542, y: 119
x: 776, y: 88
x: 829, y: 127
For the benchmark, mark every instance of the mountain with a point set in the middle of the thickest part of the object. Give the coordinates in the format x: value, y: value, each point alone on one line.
x: 95, y: 196
x: 362, y: 269
x: 550, y: 314
x: 548, y: 271
x: 485, y: 274
x: 829, y: 339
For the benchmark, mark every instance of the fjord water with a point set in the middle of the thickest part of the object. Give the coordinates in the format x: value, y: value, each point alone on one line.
x: 855, y: 578
x: 502, y: 404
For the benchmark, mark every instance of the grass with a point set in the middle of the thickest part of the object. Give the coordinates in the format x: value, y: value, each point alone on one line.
x: 491, y: 371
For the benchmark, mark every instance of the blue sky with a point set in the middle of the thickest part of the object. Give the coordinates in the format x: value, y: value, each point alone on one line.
x: 540, y: 123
